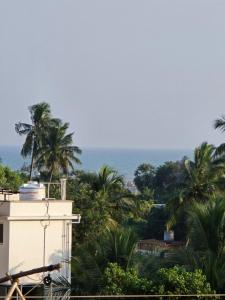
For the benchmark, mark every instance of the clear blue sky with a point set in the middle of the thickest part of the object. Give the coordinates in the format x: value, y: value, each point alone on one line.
x: 124, y: 73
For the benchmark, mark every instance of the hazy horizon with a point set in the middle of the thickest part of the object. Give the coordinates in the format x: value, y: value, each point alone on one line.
x: 125, y: 161
x: 146, y: 74
x: 112, y: 147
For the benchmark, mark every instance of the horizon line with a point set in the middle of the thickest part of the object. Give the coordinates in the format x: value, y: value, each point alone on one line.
x: 118, y: 147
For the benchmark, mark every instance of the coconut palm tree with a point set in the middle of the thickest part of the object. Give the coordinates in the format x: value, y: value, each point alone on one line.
x: 119, y: 245
x: 105, y: 180
x: 108, y: 179
x: 91, y: 258
x: 110, y: 187
x: 34, y: 132
x: 204, y: 173
x: 110, y: 196
x: 204, y: 178
x: 58, y: 153
x: 207, y: 238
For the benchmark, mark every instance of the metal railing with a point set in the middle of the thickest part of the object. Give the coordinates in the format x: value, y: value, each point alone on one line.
x: 67, y: 297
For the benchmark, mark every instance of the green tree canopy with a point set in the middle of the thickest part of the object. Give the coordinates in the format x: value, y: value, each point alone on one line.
x: 118, y: 281
x: 10, y: 179
x: 144, y: 177
x: 35, y: 132
x: 207, y: 238
x: 204, y: 178
x: 178, y: 281
x: 58, y: 152
x: 90, y: 259
x: 169, y: 180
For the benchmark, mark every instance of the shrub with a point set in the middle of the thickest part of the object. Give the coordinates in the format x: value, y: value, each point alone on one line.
x: 177, y: 280
x: 118, y: 281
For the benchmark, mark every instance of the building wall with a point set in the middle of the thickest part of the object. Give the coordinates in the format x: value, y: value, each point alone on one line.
x: 39, y: 208
x: 24, y: 243
x: 27, y: 247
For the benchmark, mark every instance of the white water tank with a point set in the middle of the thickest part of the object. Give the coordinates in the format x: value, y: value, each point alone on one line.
x: 168, y: 236
x: 32, y: 191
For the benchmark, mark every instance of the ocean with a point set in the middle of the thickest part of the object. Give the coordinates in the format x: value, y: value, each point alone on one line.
x: 125, y: 161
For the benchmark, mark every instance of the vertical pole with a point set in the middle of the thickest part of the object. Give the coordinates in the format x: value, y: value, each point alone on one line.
x: 48, y: 189
x: 63, y: 188
x: 44, y: 248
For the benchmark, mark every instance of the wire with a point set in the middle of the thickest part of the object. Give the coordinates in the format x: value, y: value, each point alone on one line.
x: 37, y: 280
x: 45, y: 226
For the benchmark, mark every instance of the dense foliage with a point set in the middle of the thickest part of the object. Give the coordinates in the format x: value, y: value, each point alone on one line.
x: 105, y: 257
x: 178, y: 281
x: 10, y: 179
x: 166, y: 281
x: 118, y: 281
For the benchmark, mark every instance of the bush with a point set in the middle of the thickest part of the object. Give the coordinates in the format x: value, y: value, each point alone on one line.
x: 118, y: 281
x: 177, y: 280
x: 9, y: 179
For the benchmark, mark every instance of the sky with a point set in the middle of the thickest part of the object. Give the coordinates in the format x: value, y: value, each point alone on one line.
x: 123, y: 73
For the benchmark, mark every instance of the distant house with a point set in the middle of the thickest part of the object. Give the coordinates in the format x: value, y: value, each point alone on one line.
x: 157, y: 247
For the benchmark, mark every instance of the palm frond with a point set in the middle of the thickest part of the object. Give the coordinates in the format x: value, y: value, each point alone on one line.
x: 220, y: 150
x: 220, y: 123
x: 28, y: 145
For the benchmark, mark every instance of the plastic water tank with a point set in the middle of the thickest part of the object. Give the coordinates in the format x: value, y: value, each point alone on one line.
x: 32, y: 191
x: 168, y: 236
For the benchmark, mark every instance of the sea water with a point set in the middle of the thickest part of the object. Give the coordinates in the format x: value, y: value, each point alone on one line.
x: 125, y: 161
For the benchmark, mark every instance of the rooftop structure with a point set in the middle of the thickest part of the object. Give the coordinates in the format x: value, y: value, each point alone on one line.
x: 35, y: 232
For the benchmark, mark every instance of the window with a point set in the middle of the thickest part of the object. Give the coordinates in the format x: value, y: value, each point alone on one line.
x: 1, y: 233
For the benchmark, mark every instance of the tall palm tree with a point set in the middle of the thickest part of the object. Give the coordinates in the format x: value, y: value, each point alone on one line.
x: 40, y: 117
x: 205, y: 176
x: 58, y: 152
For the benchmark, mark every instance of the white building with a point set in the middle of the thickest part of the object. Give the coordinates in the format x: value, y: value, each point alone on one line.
x: 35, y: 233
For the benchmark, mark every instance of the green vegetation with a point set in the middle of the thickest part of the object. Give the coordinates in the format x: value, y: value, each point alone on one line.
x: 178, y: 281
x: 10, y: 179
x: 117, y: 281
x: 104, y: 202
x: 34, y: 132
x: 57, y: 152
x: 105, y: 258
x: 47, y: 143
